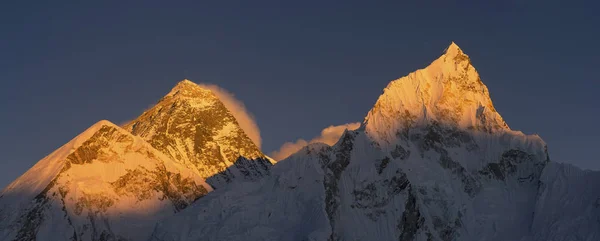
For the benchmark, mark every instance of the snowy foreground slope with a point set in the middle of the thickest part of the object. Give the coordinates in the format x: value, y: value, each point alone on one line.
x: 568, y: 206
x: 111, y: 183
x: 433, y: 160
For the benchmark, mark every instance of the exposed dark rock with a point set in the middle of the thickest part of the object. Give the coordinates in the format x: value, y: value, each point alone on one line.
x: 382, y: 164
x: 447, y: 230
x: 408, y: 120
x: 470, y: 184
x: 90, y: 150
x: 370, y: 197
x: 411, y: 220
x: 334, y: 171
x: 444, y: 136
x: 249, y: 170
x: 400, y: 152
x: 507, y: 165
x: 93, y: 203
x: 180, y: 191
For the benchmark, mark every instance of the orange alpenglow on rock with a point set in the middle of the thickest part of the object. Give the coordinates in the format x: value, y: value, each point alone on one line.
x: 447, y: 92
x: 113, y: 183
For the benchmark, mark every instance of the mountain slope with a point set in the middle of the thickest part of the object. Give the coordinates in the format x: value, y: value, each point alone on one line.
x: 568, y: 206
x: 193, y: 127
x: 105, y: 184
x: 111, y: 183
x: 448, y: 92
x: 433, y: 160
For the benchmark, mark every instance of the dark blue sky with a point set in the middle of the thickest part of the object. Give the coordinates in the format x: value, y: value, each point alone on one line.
x: 298, y: 66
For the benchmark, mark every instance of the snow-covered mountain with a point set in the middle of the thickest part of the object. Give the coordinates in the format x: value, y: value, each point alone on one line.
x: 568, y: 204
x: 192, y: 126
x: 113, y: 183
x: 433, y: 160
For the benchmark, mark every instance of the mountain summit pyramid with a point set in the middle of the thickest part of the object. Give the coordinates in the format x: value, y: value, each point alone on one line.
x: 192, y: 126
x: 113, y: 183
x: 448, y: 92
x: 433, y: 161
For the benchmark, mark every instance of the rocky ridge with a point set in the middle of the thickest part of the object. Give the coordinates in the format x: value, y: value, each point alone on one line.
x: 114, y: 183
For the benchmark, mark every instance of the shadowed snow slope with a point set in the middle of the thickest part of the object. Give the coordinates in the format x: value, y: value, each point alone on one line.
x: 433, y: 160
x: 568, y: 206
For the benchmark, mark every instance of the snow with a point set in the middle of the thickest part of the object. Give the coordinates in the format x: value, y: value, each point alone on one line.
x: 433, y: 160
x: 473, y: 179
x: 568, y: 206
x: 271, y: 160
x: 124, y: 215
x: 110, y: 183
x: 228, y: 130
x: 448, y: 91
x: 37, y: 178
x: 291, y: 203
x: 267, y: 210
x: 187, y: 109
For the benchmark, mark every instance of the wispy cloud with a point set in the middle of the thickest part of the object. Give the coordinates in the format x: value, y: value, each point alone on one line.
x: 237, y: 108
x: 329, y: 136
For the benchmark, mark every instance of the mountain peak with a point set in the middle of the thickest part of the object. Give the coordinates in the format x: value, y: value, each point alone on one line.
x: 37, y: 178
x: 454, y: 57
x: 101, y: 123
x: 453, y: 49
x: 101, y: 180
x: 187, y: 88
x: 448, y: 92
x: 185, y: 83
x: 192, y: 126
x: 158, y: 164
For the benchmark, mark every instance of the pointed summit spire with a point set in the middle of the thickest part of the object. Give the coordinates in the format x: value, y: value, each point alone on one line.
x: 184, y: 83
x: 453, y: 50
x: 192, y: 126
x: 453, y: 47
x: 447, y: 92
x: 187, y: 88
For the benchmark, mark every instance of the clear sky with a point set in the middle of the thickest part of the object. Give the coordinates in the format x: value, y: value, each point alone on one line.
x: 298, y: 66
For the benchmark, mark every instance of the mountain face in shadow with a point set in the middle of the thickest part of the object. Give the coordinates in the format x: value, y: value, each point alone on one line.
x: 242, y: 170
x: 113, y: 183
x: 433, y: 160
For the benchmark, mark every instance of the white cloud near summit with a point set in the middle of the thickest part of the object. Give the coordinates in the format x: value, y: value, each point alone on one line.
x: 329, y: 136
x: 237, y: 108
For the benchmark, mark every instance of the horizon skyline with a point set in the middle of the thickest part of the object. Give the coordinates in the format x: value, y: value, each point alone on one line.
x: 297, y: 68
x: 233, y: 105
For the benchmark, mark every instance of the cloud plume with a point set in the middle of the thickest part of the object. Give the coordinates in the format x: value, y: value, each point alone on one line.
x: 329, y: 136
x: 244, y: 118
